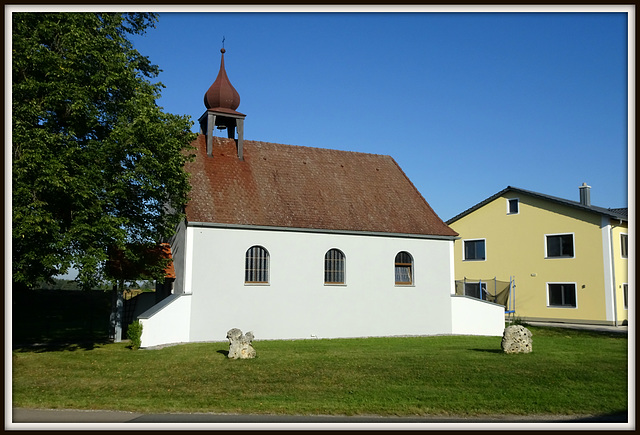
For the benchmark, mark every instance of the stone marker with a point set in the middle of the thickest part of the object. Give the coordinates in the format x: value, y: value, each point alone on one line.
x: 516, y: 339
x: 240, y: 345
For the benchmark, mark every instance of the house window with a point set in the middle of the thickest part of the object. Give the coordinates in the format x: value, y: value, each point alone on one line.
x: 562, y: 295
x: 474, y: 250
x: 475, y: 289
x: 560, y: 245
x: 625, y: 295
x: 256, y: 266
x: 404, y: 268
x: 334, y: 267
x: 624, y: 245
x: 512, y: 206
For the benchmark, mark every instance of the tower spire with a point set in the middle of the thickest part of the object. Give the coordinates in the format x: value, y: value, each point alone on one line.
x: 221, y: 101
x: 221, y: 95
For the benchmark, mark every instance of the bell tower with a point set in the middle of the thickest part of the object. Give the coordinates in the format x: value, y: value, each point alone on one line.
x: 221, y: 102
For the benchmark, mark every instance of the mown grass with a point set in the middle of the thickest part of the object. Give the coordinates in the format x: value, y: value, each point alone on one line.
x: 569, y: 372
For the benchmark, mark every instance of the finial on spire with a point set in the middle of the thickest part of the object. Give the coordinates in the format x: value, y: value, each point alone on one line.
x: 222, y: 50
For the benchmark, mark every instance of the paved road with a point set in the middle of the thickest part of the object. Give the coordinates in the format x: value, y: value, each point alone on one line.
x: 601, y: 328
x: 21, y: 415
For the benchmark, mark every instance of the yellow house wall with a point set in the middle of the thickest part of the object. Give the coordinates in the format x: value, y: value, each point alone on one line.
x: 515, y: 246
x: 621, y: 267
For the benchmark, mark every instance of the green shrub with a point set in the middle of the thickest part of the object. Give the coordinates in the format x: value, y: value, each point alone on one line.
x: 518, y: 321
x: 134, y: 333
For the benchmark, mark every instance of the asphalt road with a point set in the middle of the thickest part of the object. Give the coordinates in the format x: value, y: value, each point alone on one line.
x: 21, y: 415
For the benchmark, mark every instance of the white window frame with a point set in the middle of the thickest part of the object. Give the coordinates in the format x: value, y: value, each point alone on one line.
x: 573, y: 242
x: 481, y: 288
x: 509, y: 212
x: 268, y: 267
x: 464, y: 251
x: 625, y: 295
x: 622, y: 253
x: 575, y: 289
x: 344, y: 268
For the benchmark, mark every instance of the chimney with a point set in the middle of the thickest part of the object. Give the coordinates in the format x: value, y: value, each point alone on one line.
x: 585, y: 195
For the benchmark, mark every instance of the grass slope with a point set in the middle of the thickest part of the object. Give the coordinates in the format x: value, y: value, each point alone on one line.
x: 569, y: 372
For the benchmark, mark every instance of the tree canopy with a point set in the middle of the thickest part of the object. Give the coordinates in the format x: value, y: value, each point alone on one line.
x: 96, y: 163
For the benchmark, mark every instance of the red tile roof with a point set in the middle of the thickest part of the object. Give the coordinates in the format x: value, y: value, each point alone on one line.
x: 302, y: 187
x: 120, y: 267
x: 169, y: 270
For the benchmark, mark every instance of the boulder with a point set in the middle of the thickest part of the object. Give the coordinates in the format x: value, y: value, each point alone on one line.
x: 516, y: 339
x: 240, y: 344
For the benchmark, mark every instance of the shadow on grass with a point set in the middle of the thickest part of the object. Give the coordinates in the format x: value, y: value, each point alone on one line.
x: 488, y: 350
x: 223, y: 352
x: 60, y: 346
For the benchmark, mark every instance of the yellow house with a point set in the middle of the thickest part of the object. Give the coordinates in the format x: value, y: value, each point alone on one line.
x: 567, y: 259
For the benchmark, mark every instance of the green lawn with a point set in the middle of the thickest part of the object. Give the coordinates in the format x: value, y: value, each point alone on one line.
x: 569, y: 372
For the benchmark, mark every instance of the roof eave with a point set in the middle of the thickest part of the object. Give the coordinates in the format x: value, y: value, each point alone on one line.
x: 319, y: 230
x: 569, y: 203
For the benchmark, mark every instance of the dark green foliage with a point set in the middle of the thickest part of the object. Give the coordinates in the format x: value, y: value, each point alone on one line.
x: 96, y: 164
x: 54, y: 316
x: 134, y: 333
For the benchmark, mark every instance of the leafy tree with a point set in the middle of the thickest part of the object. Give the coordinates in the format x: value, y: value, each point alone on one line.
x: 96, y: 163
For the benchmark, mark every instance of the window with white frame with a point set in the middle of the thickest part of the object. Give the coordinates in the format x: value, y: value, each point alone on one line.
x: 512, y: 206
x: 559, y: 245
x: 334, y: 267
x: 474, y: 250
x: 256, y: 266
x: 625, y: 295
x: 624, y: 245
x: 475, y: 289
x: 404, y: 268
x: 562, y: 295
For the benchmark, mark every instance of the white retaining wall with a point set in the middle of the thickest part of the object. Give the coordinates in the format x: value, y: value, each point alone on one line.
x: 166, y: 322
x: 471, y: 316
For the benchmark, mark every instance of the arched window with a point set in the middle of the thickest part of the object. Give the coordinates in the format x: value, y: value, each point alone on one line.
x: 404, y: 268
x: 334, y: 267
x: 256, y: 266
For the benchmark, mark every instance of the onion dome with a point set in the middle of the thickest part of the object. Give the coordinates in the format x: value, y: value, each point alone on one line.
x: 222, y: 96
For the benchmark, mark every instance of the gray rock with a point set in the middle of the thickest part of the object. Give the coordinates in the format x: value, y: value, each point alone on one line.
x: 240, y: 345
x: 517, y: 339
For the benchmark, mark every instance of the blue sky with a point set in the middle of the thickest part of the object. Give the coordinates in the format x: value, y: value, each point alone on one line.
x: 466, y: 103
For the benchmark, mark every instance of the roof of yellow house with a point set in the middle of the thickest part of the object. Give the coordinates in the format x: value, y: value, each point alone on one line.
x: 615, y: 213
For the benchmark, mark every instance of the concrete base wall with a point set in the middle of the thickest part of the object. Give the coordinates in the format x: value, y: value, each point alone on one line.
x: 471, y: 316
x: 166, y: 322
